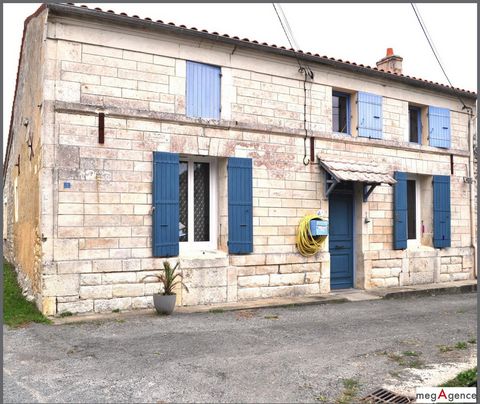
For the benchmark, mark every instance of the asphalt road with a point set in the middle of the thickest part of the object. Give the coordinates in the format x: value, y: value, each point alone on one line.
x: 296, y: 354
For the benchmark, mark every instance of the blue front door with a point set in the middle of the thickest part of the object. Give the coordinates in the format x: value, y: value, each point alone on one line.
x: 341, y: 240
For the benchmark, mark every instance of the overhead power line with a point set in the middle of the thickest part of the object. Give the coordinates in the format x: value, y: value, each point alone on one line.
x: 303, y: 68
x: 434, y: 50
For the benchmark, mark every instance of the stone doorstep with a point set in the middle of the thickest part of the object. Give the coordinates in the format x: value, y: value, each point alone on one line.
x: 338, y: 296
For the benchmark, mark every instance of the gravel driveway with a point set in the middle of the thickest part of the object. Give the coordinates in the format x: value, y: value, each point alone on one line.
x: 295, y: 354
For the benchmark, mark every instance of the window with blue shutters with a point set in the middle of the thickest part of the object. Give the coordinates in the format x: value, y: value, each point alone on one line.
x: 441, y: 211
x: 184, y: 204
x: 400, y: 211
x: 439, y: 127
x: 370, y: 122
x: 203, y: 91
x: 165, y: 193
x: 240, y: 206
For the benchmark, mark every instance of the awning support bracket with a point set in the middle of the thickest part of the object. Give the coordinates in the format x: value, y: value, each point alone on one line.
x: 367, y: 190
x: 333, y: 183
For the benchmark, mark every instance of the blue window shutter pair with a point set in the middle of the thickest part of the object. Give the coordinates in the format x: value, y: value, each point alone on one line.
x: 439, y: 127
x: 370, y: 122
x: 400, y: 235
x: 240, y: 206
x: 441, y: 211
x: 203, y: 91
x: 165, y: 200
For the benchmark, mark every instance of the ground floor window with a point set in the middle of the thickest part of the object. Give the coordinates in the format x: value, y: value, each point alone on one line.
x: 197, y: 203
x: 414, y: 211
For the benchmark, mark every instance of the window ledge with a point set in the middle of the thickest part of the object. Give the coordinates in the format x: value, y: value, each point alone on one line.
x: 203, y: 259
x: 202, y: 254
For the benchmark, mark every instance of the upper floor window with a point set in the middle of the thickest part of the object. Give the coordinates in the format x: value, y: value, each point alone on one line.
x: 415, y: 124
x: 203, y: 91
x: 340, y: 112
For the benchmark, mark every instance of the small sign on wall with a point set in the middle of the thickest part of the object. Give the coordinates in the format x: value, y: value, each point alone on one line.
x: 67, y: 185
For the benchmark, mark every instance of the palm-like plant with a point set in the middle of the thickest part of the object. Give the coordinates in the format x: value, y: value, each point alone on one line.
x: 169, y: 278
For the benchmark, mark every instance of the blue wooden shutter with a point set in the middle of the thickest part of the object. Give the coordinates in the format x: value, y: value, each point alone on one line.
x: 240, y: 215
x: 370, y: 122
x: 203, y: 90
x: 400, y: 211
x: 441, y: 211
x: 439, y: 127
x: 165, y: 199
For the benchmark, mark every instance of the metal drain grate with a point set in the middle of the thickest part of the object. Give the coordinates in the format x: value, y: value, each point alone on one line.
x: 381, y: 396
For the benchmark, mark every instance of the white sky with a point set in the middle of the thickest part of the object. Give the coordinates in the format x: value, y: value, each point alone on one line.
x: 354, y: 32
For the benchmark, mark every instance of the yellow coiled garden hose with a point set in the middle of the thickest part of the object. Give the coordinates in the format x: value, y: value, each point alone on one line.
x: 307, y: 244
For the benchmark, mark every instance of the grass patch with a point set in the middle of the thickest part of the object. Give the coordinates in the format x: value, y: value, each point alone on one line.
x: 463, y: 379
x: 461, y: 345
x: 116, y: 311
x: 472, y: 341
x: 17, y: 311
x: 410, y: 353
x: 271, y: 317
x: 408, y: 359
x: 445, y: 348
x: 65, y: 314
x: 216, y: 311
x: 350, y: 387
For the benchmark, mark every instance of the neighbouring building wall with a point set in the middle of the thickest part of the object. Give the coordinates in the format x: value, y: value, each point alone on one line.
x: 22, y: 235
x: 97, y: 198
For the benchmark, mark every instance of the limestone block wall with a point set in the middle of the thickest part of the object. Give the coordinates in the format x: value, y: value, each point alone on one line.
x: 22, y: 238
x: 102, y: 221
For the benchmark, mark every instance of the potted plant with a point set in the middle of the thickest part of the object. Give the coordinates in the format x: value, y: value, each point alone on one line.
x: 165, y: 302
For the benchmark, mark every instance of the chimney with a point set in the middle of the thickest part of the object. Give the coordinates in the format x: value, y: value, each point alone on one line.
x: 391, y: 63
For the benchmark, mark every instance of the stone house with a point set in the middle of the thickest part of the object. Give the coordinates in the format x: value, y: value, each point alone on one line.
x: 236, y: 144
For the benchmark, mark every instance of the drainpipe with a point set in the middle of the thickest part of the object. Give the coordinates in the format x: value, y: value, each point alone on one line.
x: 471, y: 174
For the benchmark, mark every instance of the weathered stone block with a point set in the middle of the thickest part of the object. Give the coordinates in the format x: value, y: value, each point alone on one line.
x: 96, y: 292
x: 107, y: 305
x: 142, y: 302
x: 60, y: 285
x: 204, y: 296
x: 119, y: 277
x: 65, y: 249
x: 90, y: 279
x: 130, y: 289
x: 253, y: 281
x: 79, y: 306
x: 74, y: 267
x: 287, y: 279
x: 203, y: 277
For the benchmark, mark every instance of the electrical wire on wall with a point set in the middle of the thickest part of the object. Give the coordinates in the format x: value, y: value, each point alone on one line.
x: 303, y: 69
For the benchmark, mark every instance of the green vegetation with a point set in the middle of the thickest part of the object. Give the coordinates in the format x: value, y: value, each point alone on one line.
x: 409, y: 359
x: 216, y: 311
x: 351, y: 387
x: 271, y: 317
x: 116, y: 311
x: 461, y: 345
x: 410, y: 353
x: 445, y: 348
x: 472, y: 341
x: 65, y: 314
x: 17, y: 311
x: 463, y: 379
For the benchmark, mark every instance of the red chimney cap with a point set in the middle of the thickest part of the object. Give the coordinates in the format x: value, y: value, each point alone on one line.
x: 389, y: 52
